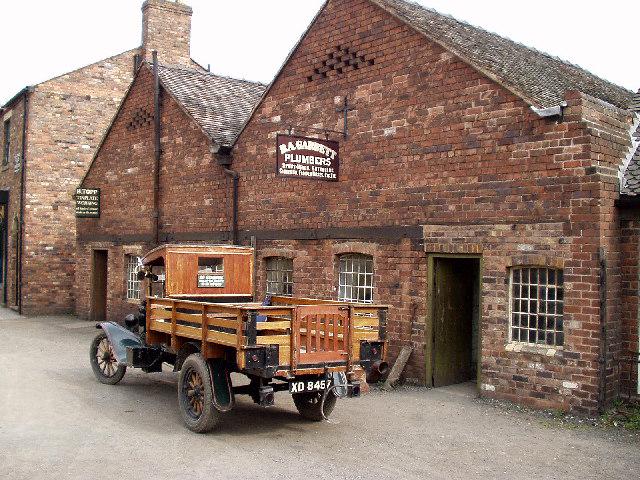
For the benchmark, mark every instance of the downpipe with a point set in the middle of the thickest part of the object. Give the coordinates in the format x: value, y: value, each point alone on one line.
x: 234, y: 225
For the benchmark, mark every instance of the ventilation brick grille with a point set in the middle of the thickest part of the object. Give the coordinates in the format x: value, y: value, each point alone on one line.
x: 340, y: 60
x: 141, y: 117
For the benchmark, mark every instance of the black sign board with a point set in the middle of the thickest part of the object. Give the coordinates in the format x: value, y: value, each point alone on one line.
x: 308, y: 158
x: 87, y: 202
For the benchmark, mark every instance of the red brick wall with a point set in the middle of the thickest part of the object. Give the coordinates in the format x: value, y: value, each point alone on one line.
x: 68, y: 116
x: 432, y: 143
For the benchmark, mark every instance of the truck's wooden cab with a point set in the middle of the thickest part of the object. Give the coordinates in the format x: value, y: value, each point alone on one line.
x: 203, y: 272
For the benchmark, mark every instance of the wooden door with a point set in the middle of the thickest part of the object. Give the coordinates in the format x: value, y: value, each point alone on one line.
x: 453, y: 321
x: 99, y: 286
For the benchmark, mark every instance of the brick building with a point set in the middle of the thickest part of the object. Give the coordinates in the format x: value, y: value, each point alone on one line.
x: 476, y: 195
x: 49, y: 136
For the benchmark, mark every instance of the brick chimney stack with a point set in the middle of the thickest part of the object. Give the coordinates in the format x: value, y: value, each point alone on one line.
x: 166, y: 27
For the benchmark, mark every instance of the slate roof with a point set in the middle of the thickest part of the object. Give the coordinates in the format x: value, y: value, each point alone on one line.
x: 537, y: 77
x: 631, y: 176
x: 220, y: 105
x: 631, y: 182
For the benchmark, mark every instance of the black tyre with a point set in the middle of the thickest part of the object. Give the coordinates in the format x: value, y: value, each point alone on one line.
x: 105, y: 366
x: 309, y: 405
x: 195, y: 395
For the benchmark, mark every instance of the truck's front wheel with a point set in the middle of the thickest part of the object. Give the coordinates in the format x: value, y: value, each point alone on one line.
x: 195, y: 395
x: 104, y: 363
x: 310, y: 405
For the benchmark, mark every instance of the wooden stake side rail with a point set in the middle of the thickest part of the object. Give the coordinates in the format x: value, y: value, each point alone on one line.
x: 318, y: 337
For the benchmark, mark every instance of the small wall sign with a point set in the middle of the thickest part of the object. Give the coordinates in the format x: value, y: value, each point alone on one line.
x: 308, y: 158
x: 210, y: 281
x: 87, y: 203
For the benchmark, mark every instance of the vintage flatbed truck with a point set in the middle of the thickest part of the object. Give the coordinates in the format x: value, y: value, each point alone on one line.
x: 199, y: 317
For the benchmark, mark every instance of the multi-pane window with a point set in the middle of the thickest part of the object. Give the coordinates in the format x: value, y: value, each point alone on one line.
x: 133, y: 284
x: 537, y: 300
x: 279, y: 276
x: 7, y: 142
x: 355, y: 282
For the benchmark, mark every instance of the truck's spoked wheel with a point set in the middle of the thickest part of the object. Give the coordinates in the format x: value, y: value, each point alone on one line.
x: 194, y: 391
x: 104, y: 363
x: 195, y: 395
x: 310, y: 406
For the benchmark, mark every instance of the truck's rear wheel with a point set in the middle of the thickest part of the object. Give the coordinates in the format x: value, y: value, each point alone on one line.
x: 310, y: 406
x: 195, y: 395
x: 104, y: 364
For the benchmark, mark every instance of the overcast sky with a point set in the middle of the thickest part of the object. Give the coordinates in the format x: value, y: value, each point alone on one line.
x: 251, y: 38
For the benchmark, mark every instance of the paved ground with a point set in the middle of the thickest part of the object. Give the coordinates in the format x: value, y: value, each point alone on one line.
x: 57, y: 422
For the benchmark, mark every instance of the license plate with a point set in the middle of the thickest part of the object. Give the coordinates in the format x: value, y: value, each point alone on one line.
x: 304, y: 386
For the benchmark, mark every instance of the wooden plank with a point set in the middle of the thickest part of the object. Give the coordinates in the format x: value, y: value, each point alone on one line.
x: 162, y: 301
x: 317, y: 357
x: 273, y: 340
x: 164, y: 327
x: 173, y: 327
x: 336, y: 318
x: 360, y: 335
x: 223, y: 323
x: 203, y: 332
x: 189, y: 317
x: 397, y: 368
x: 317, y: 333
x: 308, y: 335
x: 284, y: 355
x: 360, y: 312
x: 365, y: 322
x: 284, y: 325
x: 327, y: 321
x: 272, y: 311
x: 188, y: 332
x: 222, y: 338
x: 161, y: 314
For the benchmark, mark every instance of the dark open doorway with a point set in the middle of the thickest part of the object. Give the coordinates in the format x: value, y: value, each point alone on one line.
x: 455, y: 313
x: 99, y: 286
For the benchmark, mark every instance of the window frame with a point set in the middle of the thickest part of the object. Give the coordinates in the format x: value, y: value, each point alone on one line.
x: 357, y: 287
x: 131, y: 277
x: 284, y: 277
x: 555, y: 314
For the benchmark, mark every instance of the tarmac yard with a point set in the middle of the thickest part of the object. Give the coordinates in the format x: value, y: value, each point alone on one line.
x: 58, y: 422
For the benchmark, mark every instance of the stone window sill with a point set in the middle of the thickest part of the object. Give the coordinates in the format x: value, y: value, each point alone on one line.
x: 546, y: 350
x: 133, y: 301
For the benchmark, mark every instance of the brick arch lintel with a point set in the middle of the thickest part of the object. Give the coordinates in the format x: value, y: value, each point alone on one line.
x: 279, y: 252
x: 355, y: 247
x: 535, y: 260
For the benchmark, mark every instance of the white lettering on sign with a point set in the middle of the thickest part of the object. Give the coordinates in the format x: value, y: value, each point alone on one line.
x: 307, y: 158
x: 210, y: 281
x: 87, y: 202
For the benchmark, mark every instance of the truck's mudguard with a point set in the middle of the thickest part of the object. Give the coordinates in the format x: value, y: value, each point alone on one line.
x: 223, y: 397
x: 120, y: 338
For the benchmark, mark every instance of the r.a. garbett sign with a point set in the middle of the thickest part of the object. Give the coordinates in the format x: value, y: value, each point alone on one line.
x: 308, y: 158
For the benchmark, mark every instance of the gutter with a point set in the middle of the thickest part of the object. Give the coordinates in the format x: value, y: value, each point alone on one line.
x: 557, y: 111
